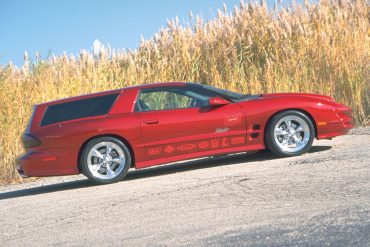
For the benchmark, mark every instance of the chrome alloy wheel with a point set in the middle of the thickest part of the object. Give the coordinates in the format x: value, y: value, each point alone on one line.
x: 106, y: 160
x: 291, y: 133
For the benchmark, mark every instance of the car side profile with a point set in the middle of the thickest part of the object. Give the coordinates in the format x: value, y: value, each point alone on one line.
x: 104, y: 134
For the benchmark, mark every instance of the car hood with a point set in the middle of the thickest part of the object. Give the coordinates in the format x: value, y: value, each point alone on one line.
x: 305, y: 95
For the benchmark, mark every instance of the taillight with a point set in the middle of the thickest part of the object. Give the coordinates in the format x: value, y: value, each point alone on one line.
x: 30, y: 141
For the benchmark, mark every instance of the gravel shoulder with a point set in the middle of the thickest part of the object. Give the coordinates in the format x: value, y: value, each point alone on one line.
x: 320, y: 198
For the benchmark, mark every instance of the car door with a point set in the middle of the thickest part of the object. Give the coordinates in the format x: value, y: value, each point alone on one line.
x: 178, y: 120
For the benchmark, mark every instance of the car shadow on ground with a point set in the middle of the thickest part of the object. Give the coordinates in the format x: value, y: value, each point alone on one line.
x: 156, y: 171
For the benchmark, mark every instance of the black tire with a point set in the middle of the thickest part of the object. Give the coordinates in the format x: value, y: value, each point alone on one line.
x: 271, y: 141
x: 118, y: 148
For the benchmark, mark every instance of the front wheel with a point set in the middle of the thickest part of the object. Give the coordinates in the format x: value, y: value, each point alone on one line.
x: 289, y: 133
x: 105, y: 160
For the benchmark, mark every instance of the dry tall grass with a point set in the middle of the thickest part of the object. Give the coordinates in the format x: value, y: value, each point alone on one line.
x: 321, y: 48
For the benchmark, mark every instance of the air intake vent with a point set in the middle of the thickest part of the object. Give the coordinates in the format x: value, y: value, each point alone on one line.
x: 256, y: 127
x: 254, y: 135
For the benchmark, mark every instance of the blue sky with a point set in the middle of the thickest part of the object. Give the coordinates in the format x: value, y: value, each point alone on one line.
x: 66, y: 25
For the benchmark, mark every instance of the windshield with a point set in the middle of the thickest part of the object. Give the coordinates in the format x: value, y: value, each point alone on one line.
x: 225, y: 93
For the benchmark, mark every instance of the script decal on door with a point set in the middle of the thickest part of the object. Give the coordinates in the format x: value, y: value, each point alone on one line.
x: 232, y: 120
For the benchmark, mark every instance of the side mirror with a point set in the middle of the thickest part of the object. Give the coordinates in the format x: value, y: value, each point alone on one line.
x: 216, y: 101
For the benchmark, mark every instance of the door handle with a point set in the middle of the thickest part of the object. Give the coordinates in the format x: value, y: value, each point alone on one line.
x: 152, y: 121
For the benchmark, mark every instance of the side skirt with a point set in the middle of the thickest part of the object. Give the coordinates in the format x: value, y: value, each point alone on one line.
x: 189, y: 156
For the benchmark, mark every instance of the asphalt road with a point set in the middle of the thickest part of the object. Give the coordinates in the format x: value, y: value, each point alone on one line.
x: 319, y: 199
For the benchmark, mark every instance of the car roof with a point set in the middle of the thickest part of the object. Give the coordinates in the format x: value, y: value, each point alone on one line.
x: 143, y: 86
x: 159, y: 84
x: 83, y: 96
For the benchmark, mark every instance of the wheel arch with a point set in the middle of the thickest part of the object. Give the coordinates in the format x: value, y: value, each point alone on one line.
x: 309, y: 115
x: 106, y: 135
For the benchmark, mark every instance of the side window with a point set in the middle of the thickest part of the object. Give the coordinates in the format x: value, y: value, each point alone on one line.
x: 90, y: 107
x: 169, y: 98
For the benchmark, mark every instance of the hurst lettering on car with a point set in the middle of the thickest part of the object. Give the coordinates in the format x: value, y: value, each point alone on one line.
x: 237, y: 140
x: 222, y: 130
x: 154, y: 151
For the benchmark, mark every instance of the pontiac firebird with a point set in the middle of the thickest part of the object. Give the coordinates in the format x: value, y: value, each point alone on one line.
x: 102, y: 135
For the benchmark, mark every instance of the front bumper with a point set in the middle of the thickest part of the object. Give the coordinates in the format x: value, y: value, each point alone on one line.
x: 340, y: 126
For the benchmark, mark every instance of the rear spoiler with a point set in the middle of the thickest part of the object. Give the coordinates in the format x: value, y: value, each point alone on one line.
x: 31, y: 119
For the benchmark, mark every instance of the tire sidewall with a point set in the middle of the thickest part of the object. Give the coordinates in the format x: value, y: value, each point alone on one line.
x: 270, y: 139
x: 83, y: 160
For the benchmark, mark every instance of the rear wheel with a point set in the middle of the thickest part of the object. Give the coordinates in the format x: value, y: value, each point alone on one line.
x: 289, y: 133
x: 105, y: 160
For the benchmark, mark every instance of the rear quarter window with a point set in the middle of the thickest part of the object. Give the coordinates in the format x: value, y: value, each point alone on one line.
x: 90, y: 107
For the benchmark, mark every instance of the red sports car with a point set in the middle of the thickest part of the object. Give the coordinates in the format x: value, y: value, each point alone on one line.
x: 102, y: 135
